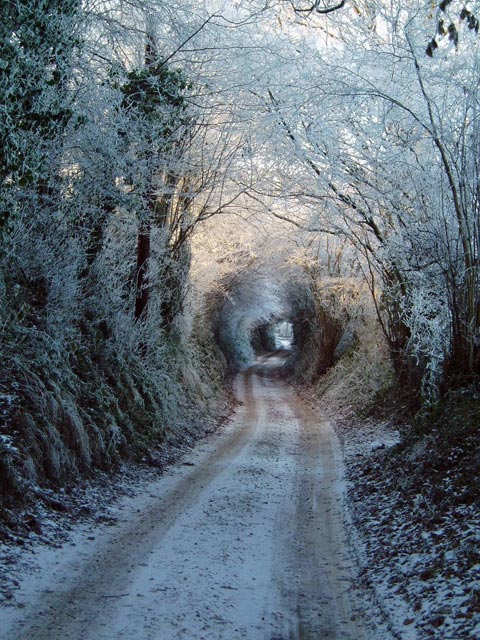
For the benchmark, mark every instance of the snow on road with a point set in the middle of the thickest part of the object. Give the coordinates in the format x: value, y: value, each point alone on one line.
x: 246, y: 539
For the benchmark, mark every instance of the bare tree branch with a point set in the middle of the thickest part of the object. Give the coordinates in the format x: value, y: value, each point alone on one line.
x: 316, y: 8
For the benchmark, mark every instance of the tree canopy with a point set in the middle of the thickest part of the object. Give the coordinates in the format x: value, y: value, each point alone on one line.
x: 353, y: 125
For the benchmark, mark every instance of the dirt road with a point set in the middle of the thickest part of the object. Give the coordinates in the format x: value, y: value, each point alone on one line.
x: 246, y: 539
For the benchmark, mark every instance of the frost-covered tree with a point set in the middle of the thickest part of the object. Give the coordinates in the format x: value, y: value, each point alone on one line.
x: 155, y: 105
x: 38, y: 41
x: 378, y: 146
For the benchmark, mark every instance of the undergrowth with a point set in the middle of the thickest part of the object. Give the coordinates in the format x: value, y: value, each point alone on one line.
x: 67, y: 411
x: 441, y: 450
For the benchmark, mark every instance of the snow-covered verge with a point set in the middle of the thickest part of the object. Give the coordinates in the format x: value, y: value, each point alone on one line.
x: 413, y: 491
x: 415, y: 508
x: 49, y: 521
x: 105, y: 392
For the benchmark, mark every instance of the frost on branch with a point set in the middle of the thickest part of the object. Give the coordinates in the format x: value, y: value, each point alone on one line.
x: 427, y: 317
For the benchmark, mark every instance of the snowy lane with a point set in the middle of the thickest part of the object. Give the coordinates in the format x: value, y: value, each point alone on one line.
x: 247, y: 541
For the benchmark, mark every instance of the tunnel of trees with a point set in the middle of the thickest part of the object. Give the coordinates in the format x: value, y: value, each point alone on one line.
x: 175, y: 182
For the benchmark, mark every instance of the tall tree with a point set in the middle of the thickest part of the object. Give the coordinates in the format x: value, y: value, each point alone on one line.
x: 154, y: 99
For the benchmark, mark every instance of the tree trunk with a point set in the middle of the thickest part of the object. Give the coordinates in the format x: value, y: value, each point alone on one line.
x: 142, y: 284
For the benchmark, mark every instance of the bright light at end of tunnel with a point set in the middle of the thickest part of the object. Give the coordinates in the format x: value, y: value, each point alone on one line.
x: 283, y: 332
